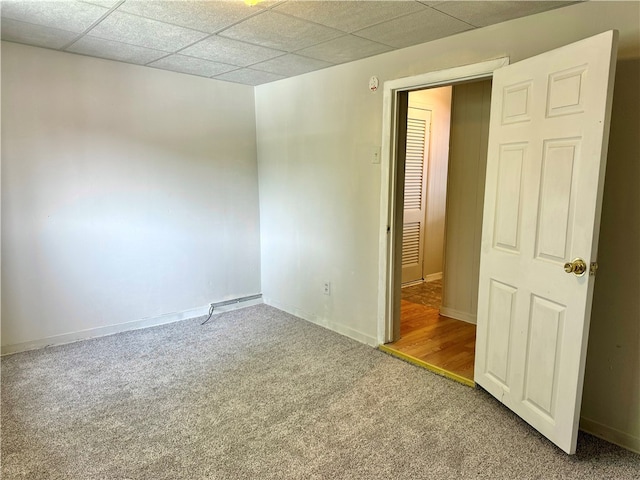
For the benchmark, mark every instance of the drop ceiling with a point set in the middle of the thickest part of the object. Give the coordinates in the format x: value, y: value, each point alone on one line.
x: 234, y: 42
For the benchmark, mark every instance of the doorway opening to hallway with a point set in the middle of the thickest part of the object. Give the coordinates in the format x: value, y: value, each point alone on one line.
x: 445, y: 149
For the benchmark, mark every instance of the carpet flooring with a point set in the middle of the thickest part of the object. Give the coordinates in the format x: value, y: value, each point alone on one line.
x: 259, y: 394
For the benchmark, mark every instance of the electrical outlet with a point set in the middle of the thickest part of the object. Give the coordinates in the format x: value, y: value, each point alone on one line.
x: 326, y: 288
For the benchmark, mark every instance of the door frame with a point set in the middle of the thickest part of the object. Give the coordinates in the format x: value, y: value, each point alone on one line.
x: 389, y: 265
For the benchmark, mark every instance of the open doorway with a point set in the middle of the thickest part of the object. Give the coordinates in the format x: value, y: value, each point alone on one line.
x: 445, y: 148
x: 544, y: 181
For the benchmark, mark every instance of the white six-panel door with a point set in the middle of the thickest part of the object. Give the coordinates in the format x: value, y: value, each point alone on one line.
x: 415, y: 186
x: 545, y: 175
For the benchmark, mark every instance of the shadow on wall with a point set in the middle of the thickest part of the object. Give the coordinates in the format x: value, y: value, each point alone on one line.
x: 612, y: 380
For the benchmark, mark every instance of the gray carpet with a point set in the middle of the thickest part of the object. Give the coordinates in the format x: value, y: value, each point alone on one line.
x: 259, y: 394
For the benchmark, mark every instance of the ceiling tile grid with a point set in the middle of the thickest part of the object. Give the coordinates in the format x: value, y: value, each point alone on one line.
x: 225, y: 50
x: 145, y: 32
x: 206, y: 16
x: 192, y: 65
x: 282, y: 32
x: 250, y: 77
x: 231, y: 41
x: 420, y: 27
x: 291, y: 65
x: 483, y: 14
x: 36, y: 35
x: 344, y: 49
x: 112, y: 50
x: 70, y: 16
x: 348, y: 16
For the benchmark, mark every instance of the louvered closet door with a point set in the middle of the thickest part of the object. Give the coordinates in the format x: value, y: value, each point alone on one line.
x: 418, y: 130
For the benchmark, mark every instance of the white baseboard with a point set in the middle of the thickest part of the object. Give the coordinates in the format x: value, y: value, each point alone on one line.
x: 433, y: 277
x: 328, y: 324
x: 122, y: 327
x: 617, y: 437
x: 429, y: 278
x: 458, y: 315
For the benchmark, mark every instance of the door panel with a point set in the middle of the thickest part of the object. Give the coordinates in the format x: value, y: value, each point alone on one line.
x: 545, y: 176
x: 415, y: 184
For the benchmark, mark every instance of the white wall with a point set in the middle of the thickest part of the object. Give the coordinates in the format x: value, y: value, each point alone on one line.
x: 438, y: 100
x: 467, y: 168
x: 611, y: 399
x: 320, y: 193
x: 127, y: 193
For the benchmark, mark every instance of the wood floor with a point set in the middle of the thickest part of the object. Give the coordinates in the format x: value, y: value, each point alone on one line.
x: 443, y: 344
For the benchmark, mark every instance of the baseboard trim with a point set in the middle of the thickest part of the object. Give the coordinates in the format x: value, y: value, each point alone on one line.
x: 122, y: 327
x: 323, y: 322
x: 458, y: 315
x: 432, y: 277
x: 612, y: 435
x: 429, y: 278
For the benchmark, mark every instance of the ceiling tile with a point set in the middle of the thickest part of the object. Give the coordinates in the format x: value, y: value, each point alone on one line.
x: 291, y: 65
x: 37, y: 35
x: 344, y: 49
x: 482, y: 14
x: 275, y: 39
x: 282, y: 32
x: 224, y: 50
x: 269, y: 3
x: 194, y: 66
x: 249, y: 77
x: 144, y: 32
x: 70, y: 16
x: 102, y: 3
x: 98, y: 47
x: 348, y: 16
x: 208, y: 16
x: 413, y: 29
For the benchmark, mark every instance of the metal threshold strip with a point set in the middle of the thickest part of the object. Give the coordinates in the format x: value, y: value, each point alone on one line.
x: 421, y: 363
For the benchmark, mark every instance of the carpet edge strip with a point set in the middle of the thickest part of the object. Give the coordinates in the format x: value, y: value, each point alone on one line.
x: 421, y: 363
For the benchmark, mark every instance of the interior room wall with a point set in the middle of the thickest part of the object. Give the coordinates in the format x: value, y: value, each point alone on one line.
x: 438, y: 100
x: 467, y: 167
x: 128, y: 193
x: 611, y: 399
x: 320, y: 191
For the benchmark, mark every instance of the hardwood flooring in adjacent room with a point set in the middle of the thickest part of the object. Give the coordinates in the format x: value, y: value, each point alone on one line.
x: 446, y: 344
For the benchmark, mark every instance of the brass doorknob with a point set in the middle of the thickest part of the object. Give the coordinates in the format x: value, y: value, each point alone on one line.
x: 577, y: 267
